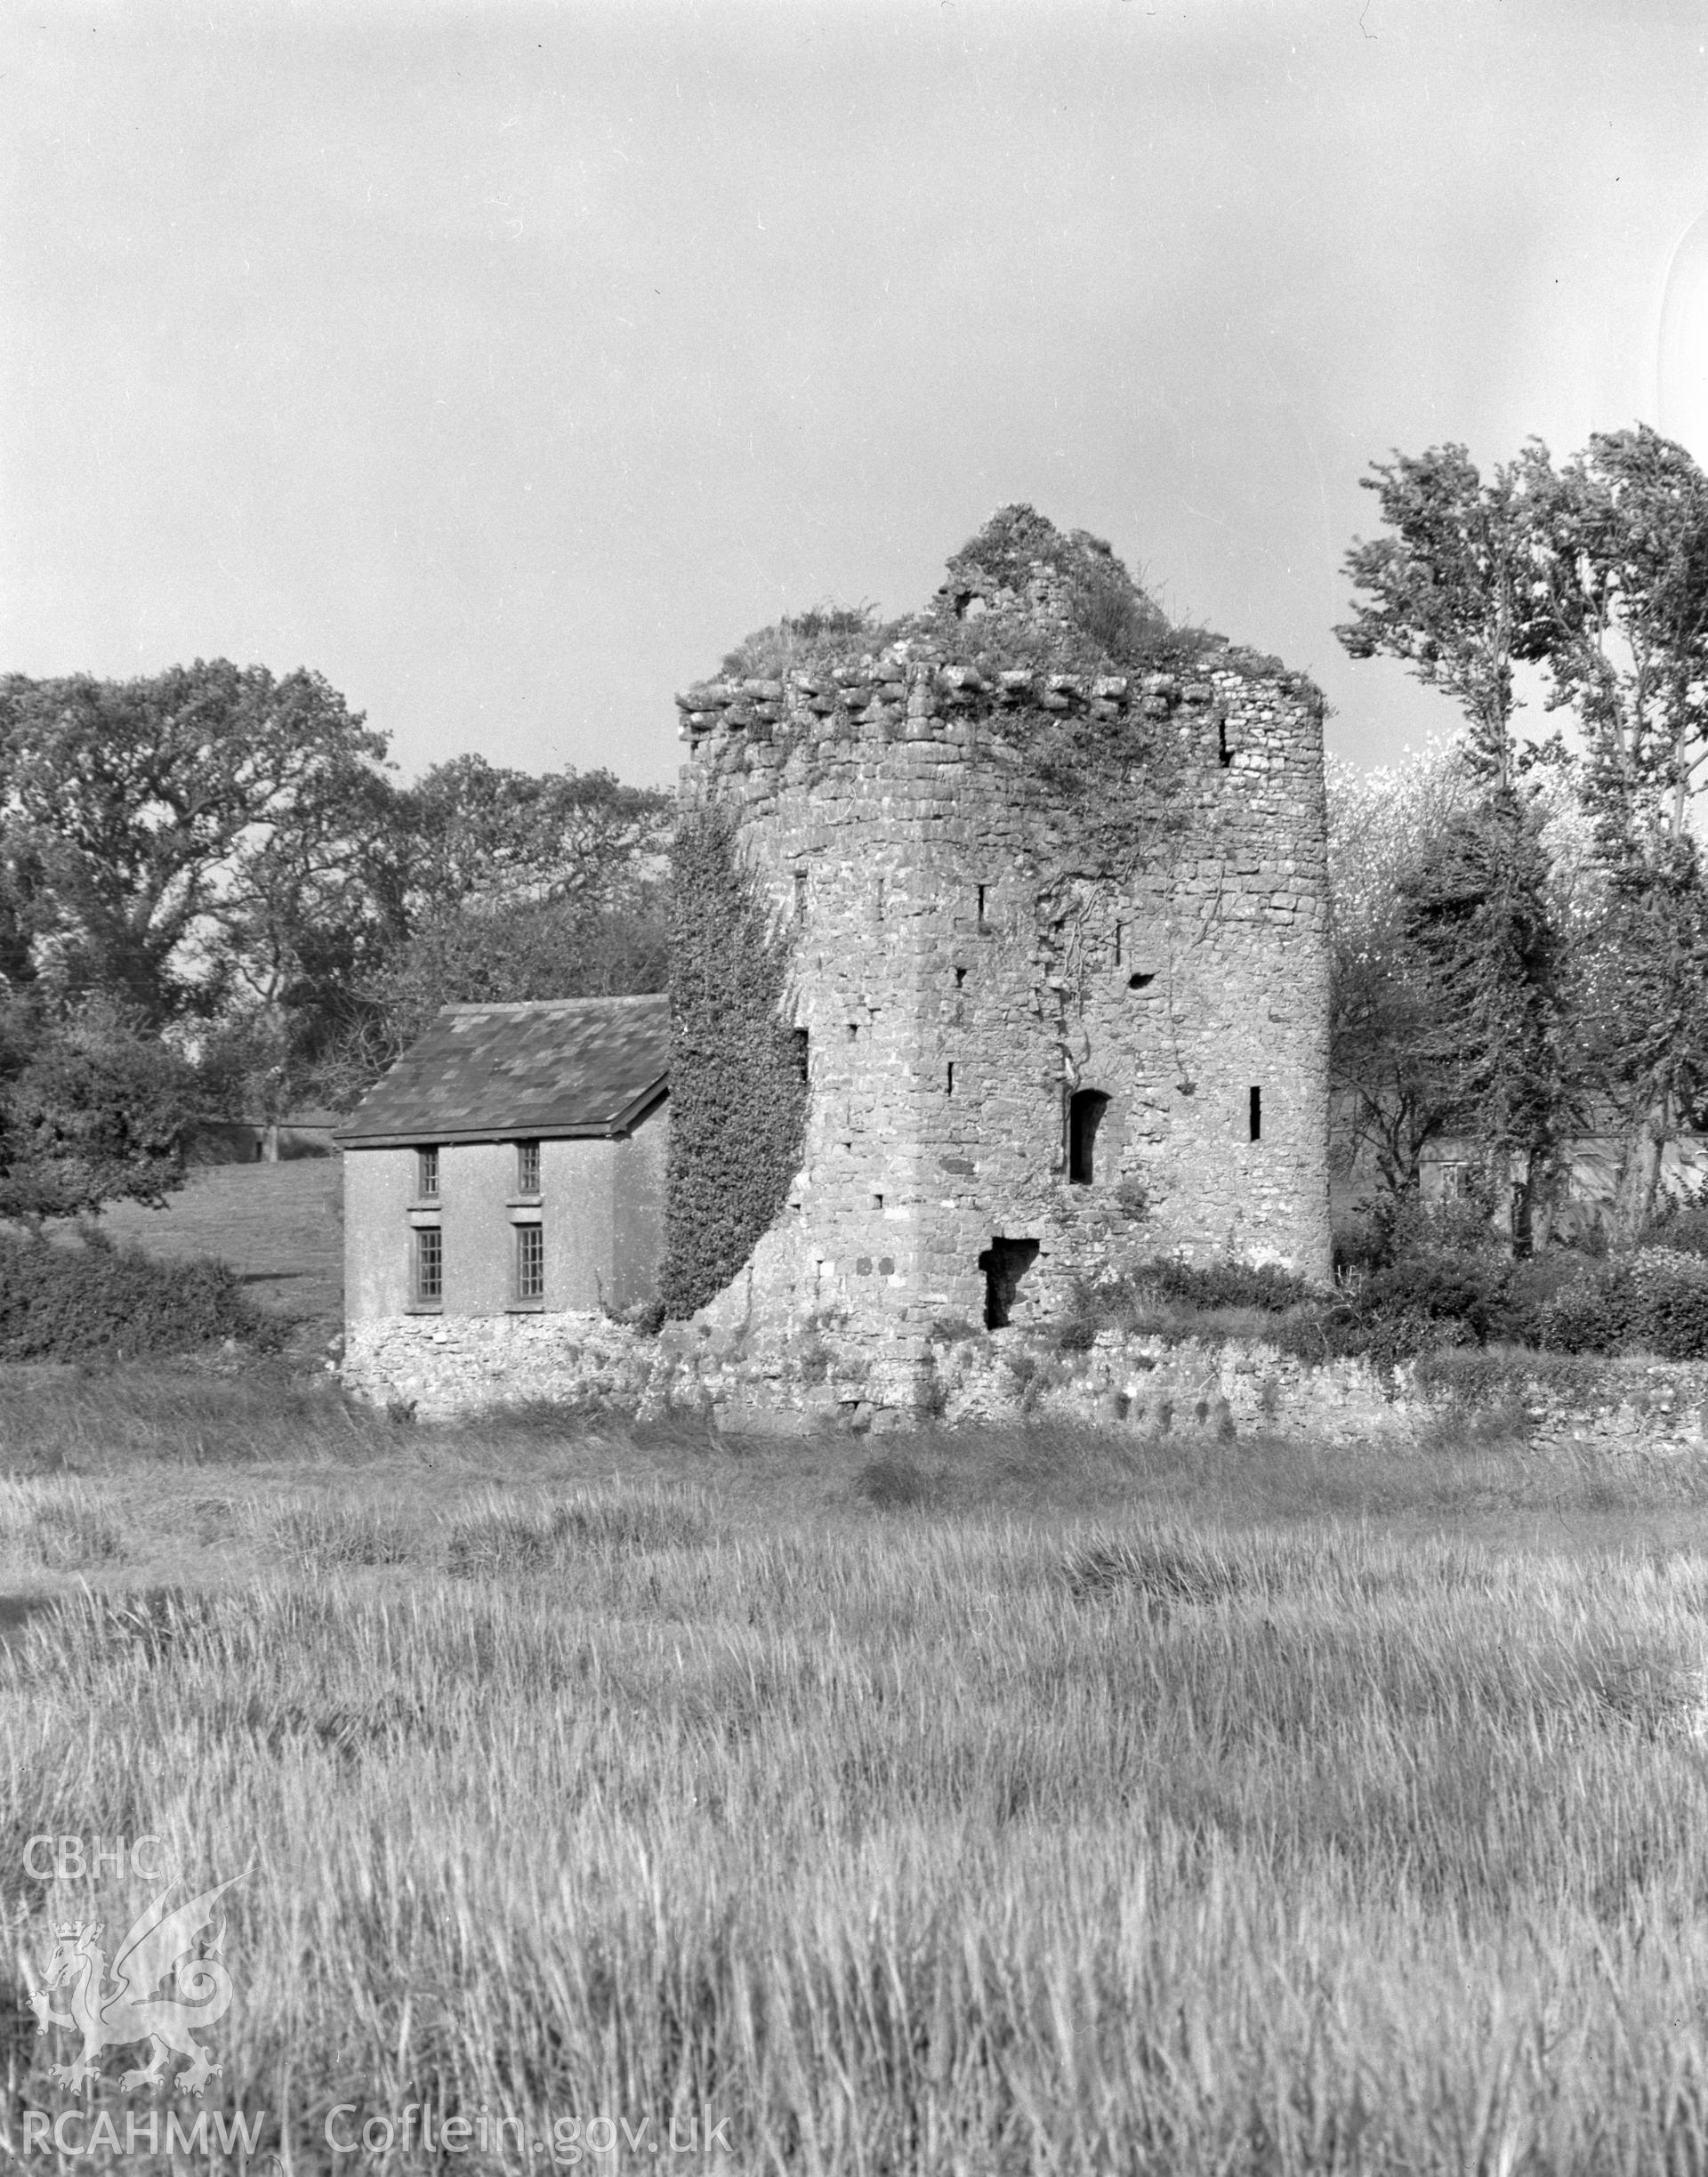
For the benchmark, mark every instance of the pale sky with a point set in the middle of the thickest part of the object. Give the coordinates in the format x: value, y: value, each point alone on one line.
x: 508, y: 362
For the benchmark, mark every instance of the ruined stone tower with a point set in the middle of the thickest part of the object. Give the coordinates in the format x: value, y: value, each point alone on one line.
x: 1056, y: 877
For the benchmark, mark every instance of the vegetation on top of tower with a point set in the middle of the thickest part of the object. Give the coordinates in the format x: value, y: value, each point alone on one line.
x: 1021, y: 595
x: 823, y: 634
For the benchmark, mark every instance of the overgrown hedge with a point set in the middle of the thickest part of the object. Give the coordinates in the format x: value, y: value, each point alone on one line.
x: 97, y: 1302
x: 738, y: 1076
x: 1431, y: 1299
x: 1653, y: 1301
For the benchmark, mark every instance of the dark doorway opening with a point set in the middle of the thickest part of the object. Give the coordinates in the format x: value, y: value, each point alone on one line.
x: 1086, y: 1109
x: 1004, y: 1262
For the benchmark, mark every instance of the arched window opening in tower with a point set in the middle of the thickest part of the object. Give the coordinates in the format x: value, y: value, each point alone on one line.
x: 1086, y: 1109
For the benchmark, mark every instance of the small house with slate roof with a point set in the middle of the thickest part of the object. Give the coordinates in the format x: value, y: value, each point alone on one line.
x: 512, y: 1161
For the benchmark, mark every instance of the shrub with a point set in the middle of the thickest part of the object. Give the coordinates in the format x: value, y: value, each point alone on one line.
x: 1163, y: 1569
x: 823, y: 636
x: 1670, y: 1289
x: 1219, y: 1284
x: 501, y: 1537
x: 97, y: 1301
x: 1654, y: 1302
x: 1176, y: 1299
x: 316, y: 1534
x: 1359, y: 1244
x: 1443, y: 1285
x: 1132, y: 1197
x: 1681, y: 1229
x: 893, y: 1484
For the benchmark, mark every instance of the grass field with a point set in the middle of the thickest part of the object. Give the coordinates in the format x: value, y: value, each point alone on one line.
x: 1006, y: 1801
x: 280, y: 1226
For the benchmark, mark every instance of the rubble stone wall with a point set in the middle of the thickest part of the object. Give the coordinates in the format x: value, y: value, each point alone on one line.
x: 772, y: 1383
x: 974, y: 949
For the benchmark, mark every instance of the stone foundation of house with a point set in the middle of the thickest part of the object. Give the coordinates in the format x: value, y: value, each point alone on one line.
x: 810, y: 1381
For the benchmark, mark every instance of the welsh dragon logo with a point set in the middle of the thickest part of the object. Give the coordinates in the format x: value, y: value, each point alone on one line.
x: 110, y: 2011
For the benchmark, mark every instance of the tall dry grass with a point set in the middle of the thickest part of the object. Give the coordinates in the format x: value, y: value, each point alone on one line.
x: 1112, y: 1828
x: 1011, y: 1801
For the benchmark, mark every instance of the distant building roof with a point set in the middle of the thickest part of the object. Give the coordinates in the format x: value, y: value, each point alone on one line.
x: 484, y: 1073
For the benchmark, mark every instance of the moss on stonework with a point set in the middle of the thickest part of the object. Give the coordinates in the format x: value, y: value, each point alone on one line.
x: 737, y: 1069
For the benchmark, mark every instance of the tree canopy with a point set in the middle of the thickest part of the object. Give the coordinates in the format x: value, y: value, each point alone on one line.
x: 215, y: 897
x: 1597, y: 573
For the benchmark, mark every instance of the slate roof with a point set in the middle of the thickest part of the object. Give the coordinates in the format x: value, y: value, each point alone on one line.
x: 487, y: 1073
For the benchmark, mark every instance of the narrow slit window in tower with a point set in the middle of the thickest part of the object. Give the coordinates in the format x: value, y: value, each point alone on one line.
x: 950, y: 1088
x: 1086, y: 1109
x: 1257, y: 1115
x: 799, y: 1038
x: 1224, y: 754
x: 1117, y: 945
x: 800, y: 895
x: 981, y: 907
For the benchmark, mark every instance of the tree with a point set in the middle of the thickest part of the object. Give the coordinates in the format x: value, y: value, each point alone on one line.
x: 90, y: 1112
x: 1454, y: 592
x: 472, y: 834
x: 1623, y: 614
x: 163, y: 839
x: 221, y: 855
x: 1392, y: 1094
x: 495, y: 956
x: 495, y: 886
x: 1622, y: 617
x: 1450, y: 591
x: 1478, y: 920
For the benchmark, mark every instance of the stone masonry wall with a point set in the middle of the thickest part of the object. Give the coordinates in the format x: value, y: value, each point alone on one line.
x: 772, y: 1383
x: 954, y: 910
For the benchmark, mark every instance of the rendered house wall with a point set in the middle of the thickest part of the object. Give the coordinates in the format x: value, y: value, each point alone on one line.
x: 875, y: 802
x: 638, y: 1162
x: 379, y: 1187
x: 601, y: 1206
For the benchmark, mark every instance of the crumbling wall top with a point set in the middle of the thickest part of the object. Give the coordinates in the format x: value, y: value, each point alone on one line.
x: 1026, y: 620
